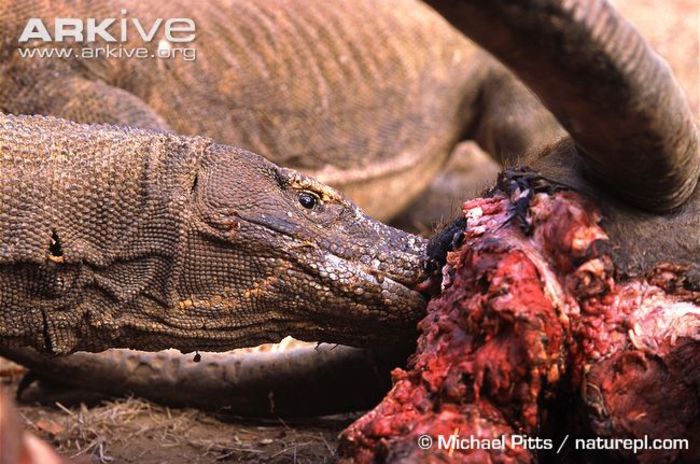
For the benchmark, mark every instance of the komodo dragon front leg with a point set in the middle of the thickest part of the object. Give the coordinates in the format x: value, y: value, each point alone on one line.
x: 114, y: 237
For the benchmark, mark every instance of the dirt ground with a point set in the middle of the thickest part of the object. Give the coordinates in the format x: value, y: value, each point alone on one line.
x: 133, y: 430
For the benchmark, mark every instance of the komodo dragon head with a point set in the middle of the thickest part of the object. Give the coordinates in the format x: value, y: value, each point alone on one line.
x: 153, y: 240
x: 273, y: 253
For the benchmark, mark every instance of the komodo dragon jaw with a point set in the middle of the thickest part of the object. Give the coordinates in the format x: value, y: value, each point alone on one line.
x: 277, y: 253
x: 152, y: 240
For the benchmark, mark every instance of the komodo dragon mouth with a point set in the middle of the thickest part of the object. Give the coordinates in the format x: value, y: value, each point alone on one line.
x: 351, y: 277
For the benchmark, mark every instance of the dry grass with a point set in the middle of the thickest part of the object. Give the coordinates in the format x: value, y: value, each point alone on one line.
x: 134, y: 430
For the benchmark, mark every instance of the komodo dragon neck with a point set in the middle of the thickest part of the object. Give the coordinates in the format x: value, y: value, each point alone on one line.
x: 77, y: 206
x: 116, y: 237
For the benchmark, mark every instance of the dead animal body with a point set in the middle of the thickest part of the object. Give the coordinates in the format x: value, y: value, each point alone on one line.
x: 533, y: 335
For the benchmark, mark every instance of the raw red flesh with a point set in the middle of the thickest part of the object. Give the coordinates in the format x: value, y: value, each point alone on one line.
x: 524, y: 320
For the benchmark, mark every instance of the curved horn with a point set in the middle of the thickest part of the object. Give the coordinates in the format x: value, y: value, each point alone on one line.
x: 615, y: 96
x: 303, y: 381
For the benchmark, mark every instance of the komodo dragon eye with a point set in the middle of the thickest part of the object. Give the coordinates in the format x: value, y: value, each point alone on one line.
x: 308, y: 200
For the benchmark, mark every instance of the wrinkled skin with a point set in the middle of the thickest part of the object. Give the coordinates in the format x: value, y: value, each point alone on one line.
x: 327, y: 263
x: 193, y: 246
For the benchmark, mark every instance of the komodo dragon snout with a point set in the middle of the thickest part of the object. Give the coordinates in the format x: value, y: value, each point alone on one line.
x: 275, y: 252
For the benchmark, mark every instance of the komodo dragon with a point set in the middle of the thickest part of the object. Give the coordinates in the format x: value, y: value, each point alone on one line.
x: 630, y: 121
x: 369, y: 97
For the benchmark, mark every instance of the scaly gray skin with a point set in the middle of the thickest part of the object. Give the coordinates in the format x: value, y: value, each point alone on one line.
x: 115, y: 237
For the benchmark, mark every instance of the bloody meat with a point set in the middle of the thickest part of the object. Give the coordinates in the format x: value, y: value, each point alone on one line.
x: 532, y: 335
